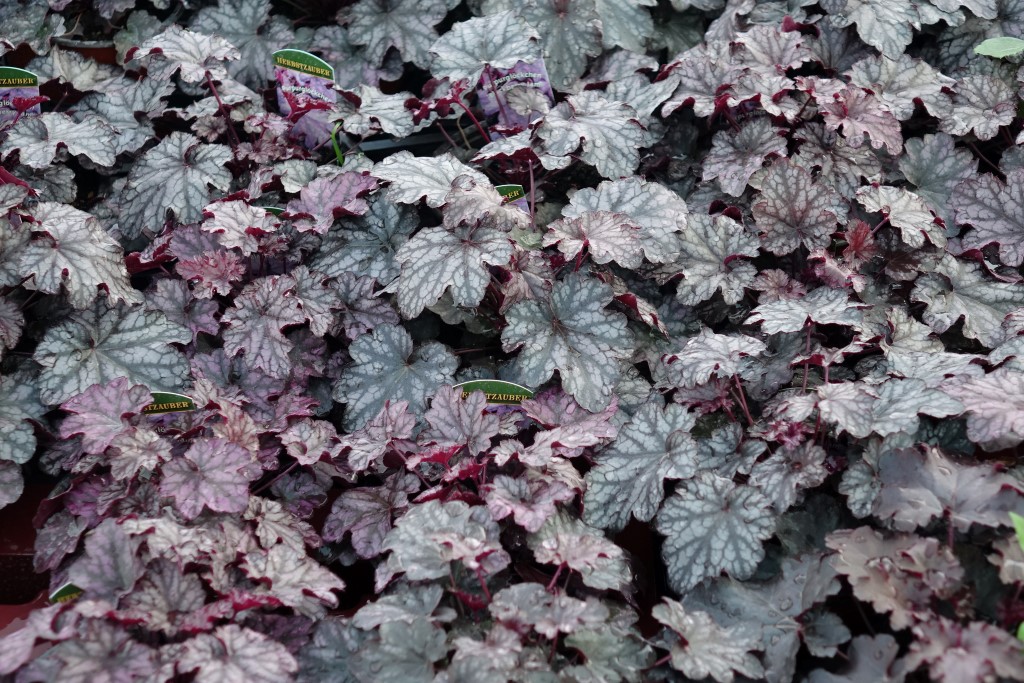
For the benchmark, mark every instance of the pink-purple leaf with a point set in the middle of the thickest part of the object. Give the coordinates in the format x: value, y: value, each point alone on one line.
x: 210, y: 474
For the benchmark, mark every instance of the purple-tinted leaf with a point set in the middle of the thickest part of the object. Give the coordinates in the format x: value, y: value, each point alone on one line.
x: 530, y: 499
x: 99, y: 413
x: 995, y: 412
x: 232, y: 654
x: 795, y: 210
x: 973, y: 653
x: 237, y: 225
x: 174, y: 300
x: 710, y: 261
x: 308, y: 441
x: 857, y: 113
x: 276, y: 525
x: 565, y: 540
x: 209, y: 475
x: 704, y: 72
x: 361, y: 310
x: 900, y: 81
x: 906, y: 211
x: 164, y: 595
x: 458, y: 422
x: 109, y: 568
x: 872, y: 659
x: 254, y: 324
x: 605, y: 235
x: 391, y: 428
x: 784, y: 475
x: 367, y: 513
x: 325, y: 199
x: 294, y: 578
x: 917, y: 488
x: 901, y: 575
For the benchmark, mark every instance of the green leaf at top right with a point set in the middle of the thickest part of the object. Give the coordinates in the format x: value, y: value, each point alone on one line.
x: 1003, y: 46
x: 1018, y: 526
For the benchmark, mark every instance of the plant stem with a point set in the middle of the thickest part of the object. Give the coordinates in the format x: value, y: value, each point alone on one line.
x: 554, y: 579
x: 743, y: 400
x: 223, y: 111
x: 270, y: 483
x: 474, y: 120
x: 533, y: 202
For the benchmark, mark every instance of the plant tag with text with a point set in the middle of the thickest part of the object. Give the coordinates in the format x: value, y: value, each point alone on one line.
x: 17, y: 87
x: 517, y: 96
x: 305, y: 82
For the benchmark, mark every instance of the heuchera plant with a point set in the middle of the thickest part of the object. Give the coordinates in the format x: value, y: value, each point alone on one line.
x: 765, y: 278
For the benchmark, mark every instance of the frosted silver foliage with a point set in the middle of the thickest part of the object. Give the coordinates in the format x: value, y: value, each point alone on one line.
x: 368, y: 245
x: 660, y: 212
x: 402, y: 652
x: 935, y: 167
x: 994, y: 405
x: 885, y: 409
x: 607, y: 133
x: 437, y: 260
x: 871, y: 659
x: 883, y: 24
x: 995, y: 212
x: 605, y: 235
x: 177, y: 175
x: 700, y: 648
x: 233, y: 653
x: 413, y: 178
x: 254, y: 324
x: 73, y: 252
x: 385, y: 367
x: 37, y: 138
x: 565, y: 540
x: 959, y: 289
x: 19, y: 402
x: 192, y: 55
x: 709, y: 259
x: 431, y: 535
x: 899, y: 81
x: 406, y: 25
x: 499, y: 41
x: 794, y: 210
x: 736, y: 155
x: 712, y: 525
x: 982, y: 104
x: 627, y: 476
x: 573, y: 333
x: 102, y: 343
x: 710, y: 355
x: 906, y: 211
x: 248, y: 26
x: 570, y: 33
x: 823, y: 305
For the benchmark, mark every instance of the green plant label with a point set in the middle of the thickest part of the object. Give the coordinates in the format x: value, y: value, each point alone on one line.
x: 66, y: 593
x: 496, y: 391
x: 273, y: 210
x: 169, y: 402
x: 15, y: 83
x: 510, y: 192
x: 305, y: 86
